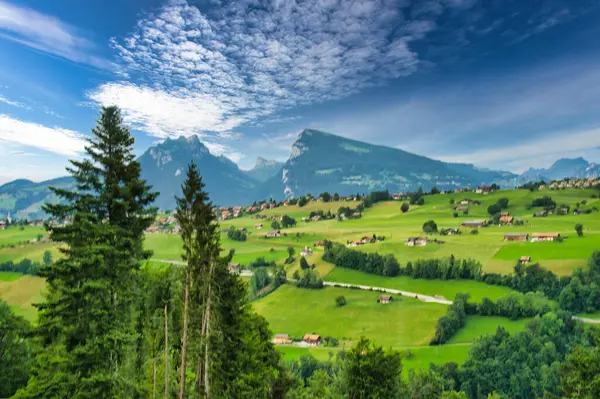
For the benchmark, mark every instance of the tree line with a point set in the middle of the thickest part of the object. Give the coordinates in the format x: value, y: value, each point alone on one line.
x: 387, y: 265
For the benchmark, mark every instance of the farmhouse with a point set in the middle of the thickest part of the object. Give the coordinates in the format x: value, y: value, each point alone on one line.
x: 273, y: 234
x: 319, y: 244
x: 461, y: 208
x: 282, y: 339
x: 258, y: 226
x: 312, y: 339
x: 234, y: 268
x: 543, y: 213
x: 544, y: 237
x: 473, y: 224
x: 578, y: 212
x: 355, y: 243
x: 466, y: 202
x: 516, y: 237
x: 416, y: 241
x: 2, y: 225
x: 385, y: 299
x: 506, y: 219
x: 356, y: 215
x: 525, y: 259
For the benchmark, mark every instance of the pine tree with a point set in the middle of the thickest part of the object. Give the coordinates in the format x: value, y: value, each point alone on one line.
x: 86, y: 325
x: 198, y: 232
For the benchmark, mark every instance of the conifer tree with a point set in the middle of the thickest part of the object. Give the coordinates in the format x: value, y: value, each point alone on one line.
x: 86, y: 325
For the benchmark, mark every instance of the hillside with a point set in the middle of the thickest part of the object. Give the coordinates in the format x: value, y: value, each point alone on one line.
x: 325, y: 162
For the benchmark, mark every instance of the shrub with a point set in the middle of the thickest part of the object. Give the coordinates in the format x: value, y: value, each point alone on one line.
x: 340, y: 301
x: 404, y: 208
x: 430, y: 227
x: 475, y: 231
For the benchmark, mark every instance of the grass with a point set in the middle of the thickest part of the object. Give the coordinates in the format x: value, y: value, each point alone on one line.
x: 477, y: 326
x: 413, y: 358
x: 296, y: 311
x: 34, y: 252
x: 15, y: 235
x: 10, y: 276
x: 22, y: 293
x: 446, y: 288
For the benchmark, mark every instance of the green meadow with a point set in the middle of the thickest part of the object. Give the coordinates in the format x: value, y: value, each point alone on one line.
x: 296, y: 311
x: 406, y: 324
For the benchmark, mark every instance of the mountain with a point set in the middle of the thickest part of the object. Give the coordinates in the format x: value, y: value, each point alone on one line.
x: 324, y: 162
x: 24, y: 198
x: 561, y: 169
x: 264, y: 169
x: 164, y: 167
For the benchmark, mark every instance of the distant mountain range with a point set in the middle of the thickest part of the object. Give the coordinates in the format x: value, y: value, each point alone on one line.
x: 319, y: 162
x: 564, y: 167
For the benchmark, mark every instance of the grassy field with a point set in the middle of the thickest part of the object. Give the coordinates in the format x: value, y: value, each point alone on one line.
x: 448, y: 289
x: 477, y: 326
x: 295, y: 311
x: 15, y: 235
x: 21, y: 292
x: 34, y: 251
x: 413, y: 358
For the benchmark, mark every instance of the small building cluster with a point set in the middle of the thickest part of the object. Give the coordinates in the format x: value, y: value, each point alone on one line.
x: 307, y: 251
x: 572, y: 183
x: 535, y: 237
x: 385, y: 299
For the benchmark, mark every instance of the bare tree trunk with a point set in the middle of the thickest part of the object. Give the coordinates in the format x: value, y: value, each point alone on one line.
x: 166, y: 352
x: 207, y: 347
x: 184, y: 338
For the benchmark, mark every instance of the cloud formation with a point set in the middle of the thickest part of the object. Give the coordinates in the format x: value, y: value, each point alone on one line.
x: 46, y: 33
x: 248, y: 59
x: 54, y: 139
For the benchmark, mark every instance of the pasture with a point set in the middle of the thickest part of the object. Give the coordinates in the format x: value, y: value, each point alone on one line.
x: 21, y: 292
x: 296, y: 311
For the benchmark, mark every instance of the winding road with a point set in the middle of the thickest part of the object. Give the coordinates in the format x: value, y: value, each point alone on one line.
x: 421, y: 297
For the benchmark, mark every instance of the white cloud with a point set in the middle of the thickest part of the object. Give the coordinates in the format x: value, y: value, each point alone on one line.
x: 46, y: 33
x: 13, y: 103
x: 163, y: 114
x: 53, y: 139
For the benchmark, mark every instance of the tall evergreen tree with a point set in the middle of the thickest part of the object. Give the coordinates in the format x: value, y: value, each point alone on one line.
x: 87, y: 324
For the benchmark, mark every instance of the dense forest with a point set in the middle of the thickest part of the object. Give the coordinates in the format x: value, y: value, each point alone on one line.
x: 114, y: 325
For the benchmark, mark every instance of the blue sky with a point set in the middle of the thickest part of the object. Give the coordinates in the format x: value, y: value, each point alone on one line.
x: 502, y: 84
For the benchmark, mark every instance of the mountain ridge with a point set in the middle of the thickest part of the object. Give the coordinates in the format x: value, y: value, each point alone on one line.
x: 319, y: 161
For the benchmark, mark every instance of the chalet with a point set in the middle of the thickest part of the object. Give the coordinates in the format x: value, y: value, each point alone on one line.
x: 578, y: 212
x: 225, y: 215
x: 272, y: 206
x: 282, y: 339
x: 461, y: 208
x: 473, y: 224
x: 516, y: 237
x: 2, y: 225
x: 311, y: 339
x: 316, y: 218
x: 273, y: 234
x: 234, y: 268
x: 258, y: 226
x: 251, y: 209
x: 366, y: 240
x: 466, y: 202
x: 319, y: 244
x: 524, y: 259
x: 416, y: 241
x: 484, y: 190
x: 286, y: 203
x: 384, y: 299
x: 356, y: 215
x: 153, y: 229
x: 264, y: 206
x: 535, y: 237
x: 237, y: 209
x: 306, y: 251
x: 543, y: 213
x: 506, y: 219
